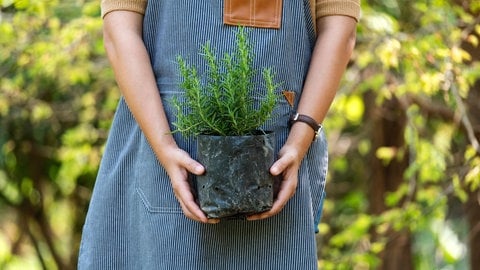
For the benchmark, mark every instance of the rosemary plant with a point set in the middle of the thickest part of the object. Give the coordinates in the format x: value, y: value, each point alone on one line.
x: 224, y: 104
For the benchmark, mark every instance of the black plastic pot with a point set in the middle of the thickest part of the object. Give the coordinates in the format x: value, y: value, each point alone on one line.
x: 237, y: 181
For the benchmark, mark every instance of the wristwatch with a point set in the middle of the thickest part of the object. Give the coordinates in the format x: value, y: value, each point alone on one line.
x: 296, y: 117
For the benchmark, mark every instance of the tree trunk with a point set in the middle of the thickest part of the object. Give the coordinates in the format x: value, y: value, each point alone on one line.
x: 387, y: 131
x: 472, y: 206
x: 472, y: 212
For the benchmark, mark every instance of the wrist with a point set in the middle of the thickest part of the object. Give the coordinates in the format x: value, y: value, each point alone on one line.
x: 163, y: 146
x: 305, y: 119
x: 300, y: 137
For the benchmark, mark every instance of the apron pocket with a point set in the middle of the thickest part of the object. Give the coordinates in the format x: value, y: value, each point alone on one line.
x: 253, y: 13
x: 152, y: 183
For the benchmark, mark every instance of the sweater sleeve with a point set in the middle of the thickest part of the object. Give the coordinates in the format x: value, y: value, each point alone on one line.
x: 130, y: 5
x: 349, y: 8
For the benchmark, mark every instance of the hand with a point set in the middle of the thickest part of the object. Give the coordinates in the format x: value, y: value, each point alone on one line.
x: 178, y: 165
x: 287, y: 166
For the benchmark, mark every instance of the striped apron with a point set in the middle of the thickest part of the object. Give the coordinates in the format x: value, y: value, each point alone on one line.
x: 134, y: 220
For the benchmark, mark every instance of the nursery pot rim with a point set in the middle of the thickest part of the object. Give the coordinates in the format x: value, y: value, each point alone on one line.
x: 257, y: 132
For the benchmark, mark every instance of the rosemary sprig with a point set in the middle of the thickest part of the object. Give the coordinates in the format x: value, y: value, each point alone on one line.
x: 224, y: 105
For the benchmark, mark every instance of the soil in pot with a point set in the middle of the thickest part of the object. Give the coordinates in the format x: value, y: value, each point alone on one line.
x: 237, y: 181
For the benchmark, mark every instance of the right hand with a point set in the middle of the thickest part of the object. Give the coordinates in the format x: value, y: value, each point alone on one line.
x: 134, y: 74
x: 178, y: 165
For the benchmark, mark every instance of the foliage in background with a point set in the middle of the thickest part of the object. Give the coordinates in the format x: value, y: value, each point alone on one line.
x: 404, y: 135
x: 57, y: 98
x: 405, y: 163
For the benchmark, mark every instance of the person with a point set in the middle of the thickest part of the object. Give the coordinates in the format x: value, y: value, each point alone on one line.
x: 142, y: 213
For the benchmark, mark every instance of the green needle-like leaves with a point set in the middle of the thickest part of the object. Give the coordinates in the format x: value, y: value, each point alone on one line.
x: 224, y: 105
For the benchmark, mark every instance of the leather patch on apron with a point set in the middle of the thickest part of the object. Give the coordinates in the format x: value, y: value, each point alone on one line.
x: 289, y: 96
x: 253, y: 13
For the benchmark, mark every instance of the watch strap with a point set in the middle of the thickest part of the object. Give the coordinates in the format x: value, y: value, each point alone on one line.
x: 317, y: 128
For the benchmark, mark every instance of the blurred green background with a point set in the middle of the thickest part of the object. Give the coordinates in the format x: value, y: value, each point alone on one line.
x: 404, y: 176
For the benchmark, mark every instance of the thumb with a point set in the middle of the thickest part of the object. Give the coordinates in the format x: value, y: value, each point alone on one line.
x: 193, y: 166
x: 280, y: 165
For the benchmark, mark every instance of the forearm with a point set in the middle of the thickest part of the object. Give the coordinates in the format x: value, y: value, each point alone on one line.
x: 131, y: 64
x: 333, y: 49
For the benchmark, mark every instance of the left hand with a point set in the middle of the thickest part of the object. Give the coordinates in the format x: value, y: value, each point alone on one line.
x: 287, y: 167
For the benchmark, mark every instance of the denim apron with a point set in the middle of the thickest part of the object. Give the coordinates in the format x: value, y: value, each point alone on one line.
x: 134, y: 220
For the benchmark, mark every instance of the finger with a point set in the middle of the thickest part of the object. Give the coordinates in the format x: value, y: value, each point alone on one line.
x: 192, y: 210
x: 192, y: 165
x: 187, y: 212
x: 188, y: 204
x: 196, y: 216
x: 281, y: 164
x: 187, y: 201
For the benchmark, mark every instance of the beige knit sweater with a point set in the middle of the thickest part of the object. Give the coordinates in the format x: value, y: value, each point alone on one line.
x: 319, y: 8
